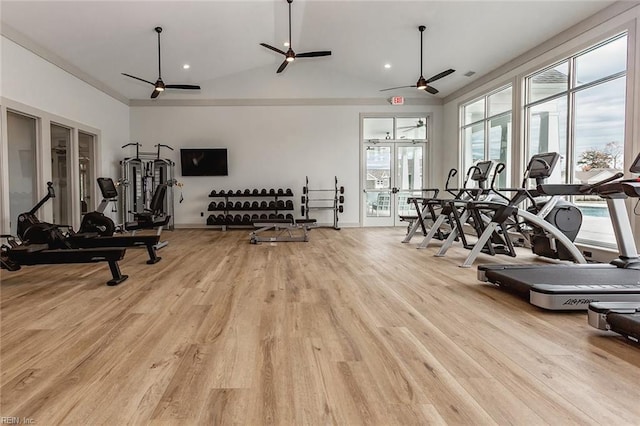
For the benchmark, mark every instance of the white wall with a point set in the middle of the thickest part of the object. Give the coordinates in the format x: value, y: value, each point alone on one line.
x: 33, y: 85
x: 269, y: 146
x: 618, y: 17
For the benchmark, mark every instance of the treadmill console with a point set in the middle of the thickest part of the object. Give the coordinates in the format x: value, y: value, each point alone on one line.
x: 481, y: 172
x: 541, y: 165
x: 107, y: 188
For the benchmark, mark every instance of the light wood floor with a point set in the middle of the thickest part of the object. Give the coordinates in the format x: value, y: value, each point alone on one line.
x: 350, y: 328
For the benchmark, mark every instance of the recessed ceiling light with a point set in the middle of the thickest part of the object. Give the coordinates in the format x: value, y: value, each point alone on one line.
x: 387, y: 66
x: 186, y: 66
x: 286, y: 44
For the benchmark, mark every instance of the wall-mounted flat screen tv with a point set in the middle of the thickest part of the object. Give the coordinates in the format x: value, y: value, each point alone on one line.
x: 204, y: 162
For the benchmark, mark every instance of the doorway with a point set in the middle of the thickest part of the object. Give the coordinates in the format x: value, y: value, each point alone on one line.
x: 393, y: 172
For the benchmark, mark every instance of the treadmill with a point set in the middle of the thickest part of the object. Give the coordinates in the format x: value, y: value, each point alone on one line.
x: 574, y: 287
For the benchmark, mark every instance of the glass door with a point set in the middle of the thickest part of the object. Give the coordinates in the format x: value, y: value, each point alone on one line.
x: 393, y: 172
x: 86, y: 145
x: 21, y: 144
x: 60, y: 163
x: 378, y: 184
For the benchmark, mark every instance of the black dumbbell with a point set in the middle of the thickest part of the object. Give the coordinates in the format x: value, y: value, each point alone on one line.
x: 246, y: 219
x: 238, y: 205
x: 247, y: 191
x: 211, y: 220
x: 341, y: 199
x: 255, y: 205
x: 303, y: 199
x: 263, y: 191
x: 220, y: 219
x: 272, y: 191
x: 280, y: 204
x: 272, y: 204
x: 246, y: 205
x: 341, y: 209
x: 212, y: 193
x: 255, y: 191
x: 212, y: 206
x: 289, y: 216
x: 272, y: 215
x: 280, y: 191
x: 280, y: 216
x: 304, y: 189
x: 302, y: 210
x: 222, y: 192
x: 289, y: 205
x: 228, y: 219
x: 264, y: 205
x: 230, y: 192
x: 263, y: 216
x: 289, y: 191
x: 342, y: 189
x: 229, y: 205
x: 255, y: 217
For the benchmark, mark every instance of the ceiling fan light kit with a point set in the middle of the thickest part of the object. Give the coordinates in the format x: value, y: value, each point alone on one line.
x: 159, y: 85
x: 290, y: 55
x: 423, y: 84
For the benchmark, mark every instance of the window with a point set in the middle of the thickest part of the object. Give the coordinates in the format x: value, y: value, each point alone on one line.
x: 486, y: 131
x: 577, y: 107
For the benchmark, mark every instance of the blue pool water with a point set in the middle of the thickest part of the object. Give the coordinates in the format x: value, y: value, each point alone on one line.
x: 594, y: 211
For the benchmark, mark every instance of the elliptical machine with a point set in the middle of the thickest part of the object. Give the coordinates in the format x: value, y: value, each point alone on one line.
x: 564, y: 215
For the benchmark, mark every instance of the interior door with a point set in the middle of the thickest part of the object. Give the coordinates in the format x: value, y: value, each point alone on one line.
x: 393, y: 172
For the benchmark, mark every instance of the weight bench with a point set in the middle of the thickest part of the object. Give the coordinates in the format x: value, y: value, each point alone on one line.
x: 285, y: 230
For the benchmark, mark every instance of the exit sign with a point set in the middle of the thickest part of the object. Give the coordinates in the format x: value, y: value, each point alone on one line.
x: 397, y: 100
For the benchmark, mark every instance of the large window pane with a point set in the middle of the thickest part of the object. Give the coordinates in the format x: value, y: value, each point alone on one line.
x: 602, y: 61
x: 500, y: 146
x: 473, y: 144
x: 500, y: 102
x: 548, y: 132
x: 377, y: 128
x: 548, y: 82
x: 474, y: 111
x: 21, y: 138
x: 598, y: 152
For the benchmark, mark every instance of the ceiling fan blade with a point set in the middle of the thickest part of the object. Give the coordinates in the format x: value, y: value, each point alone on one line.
x: 394, y: 88
x: 138, y: 78
x: 275, y: 49
x: 431, y: 90
x: 282, y: 66
x: 154, y: 94
x: 313, y: 54
x: 439, y: 76
x: 182, y: 86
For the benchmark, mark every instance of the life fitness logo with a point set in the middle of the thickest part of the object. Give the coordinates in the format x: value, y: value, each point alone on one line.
x: 397, y: 100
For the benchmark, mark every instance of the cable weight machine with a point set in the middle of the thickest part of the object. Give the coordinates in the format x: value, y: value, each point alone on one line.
x: 139, y: 177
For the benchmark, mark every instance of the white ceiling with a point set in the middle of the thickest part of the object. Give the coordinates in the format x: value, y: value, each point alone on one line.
x: 220, y: 40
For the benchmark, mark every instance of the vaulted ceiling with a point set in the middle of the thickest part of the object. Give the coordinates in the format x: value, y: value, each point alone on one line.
x: 220, y: 41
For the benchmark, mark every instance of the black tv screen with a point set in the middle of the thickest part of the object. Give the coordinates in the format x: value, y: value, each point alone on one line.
x: 204, y: 162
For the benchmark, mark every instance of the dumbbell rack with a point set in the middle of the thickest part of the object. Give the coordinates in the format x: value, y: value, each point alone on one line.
x: 255, y: 209
x: 336, y: 202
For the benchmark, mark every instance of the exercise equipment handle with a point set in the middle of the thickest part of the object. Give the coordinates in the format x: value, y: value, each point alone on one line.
x: 137, y: 145
x: 451, y: 175
x: 50, y: 194
x: 162, y: 145
x: 588, y: 188
x: 499, y: 169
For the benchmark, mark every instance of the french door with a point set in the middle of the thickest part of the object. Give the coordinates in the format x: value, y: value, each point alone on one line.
x: 393, y: 171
